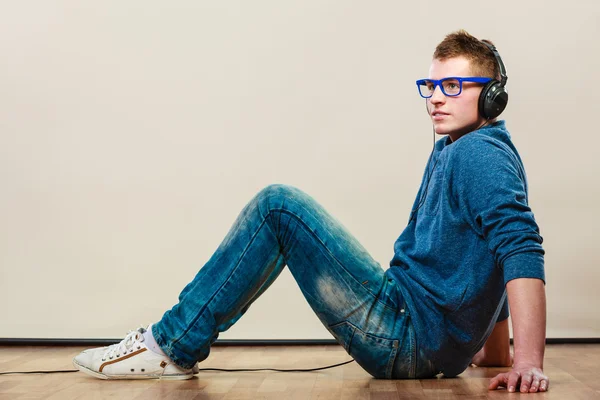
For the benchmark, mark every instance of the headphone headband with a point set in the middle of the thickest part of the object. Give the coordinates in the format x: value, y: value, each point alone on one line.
x: 503, y: 77
x: 493, y: 97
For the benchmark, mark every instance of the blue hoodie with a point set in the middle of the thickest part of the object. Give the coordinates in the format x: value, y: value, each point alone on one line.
x: 473, y: 233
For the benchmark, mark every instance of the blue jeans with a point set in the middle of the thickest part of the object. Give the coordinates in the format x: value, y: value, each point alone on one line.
x: 348, y: 290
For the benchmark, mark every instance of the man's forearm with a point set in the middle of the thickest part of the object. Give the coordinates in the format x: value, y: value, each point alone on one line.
x: 527, y: 300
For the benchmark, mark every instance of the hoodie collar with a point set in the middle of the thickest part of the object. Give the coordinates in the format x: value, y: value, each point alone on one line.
x: 497, y: 130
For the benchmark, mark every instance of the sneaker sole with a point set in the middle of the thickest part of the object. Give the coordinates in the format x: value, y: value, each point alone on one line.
x: 103, y: 376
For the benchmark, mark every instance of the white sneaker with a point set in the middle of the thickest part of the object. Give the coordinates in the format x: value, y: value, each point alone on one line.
x: 130, y: 359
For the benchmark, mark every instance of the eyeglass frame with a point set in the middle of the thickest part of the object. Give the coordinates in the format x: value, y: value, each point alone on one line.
x: 438, y: 82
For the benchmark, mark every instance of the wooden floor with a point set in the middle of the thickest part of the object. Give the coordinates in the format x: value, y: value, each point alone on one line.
x: 574, y: 372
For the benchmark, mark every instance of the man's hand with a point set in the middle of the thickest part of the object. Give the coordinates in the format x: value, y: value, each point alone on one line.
x: 525, y: 378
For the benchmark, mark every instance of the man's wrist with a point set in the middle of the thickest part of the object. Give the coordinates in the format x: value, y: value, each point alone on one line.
x: 529, y: 362
x: 530, y: 357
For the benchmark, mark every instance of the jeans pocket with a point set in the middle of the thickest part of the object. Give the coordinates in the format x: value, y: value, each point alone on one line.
x: 389, y: 294
x: 375, y: 354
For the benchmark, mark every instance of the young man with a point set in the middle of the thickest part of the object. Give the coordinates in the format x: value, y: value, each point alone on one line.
x: 475, y: 235
x: 441, y: 305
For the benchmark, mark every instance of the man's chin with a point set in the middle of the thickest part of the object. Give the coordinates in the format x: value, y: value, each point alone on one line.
x: 441, y: 129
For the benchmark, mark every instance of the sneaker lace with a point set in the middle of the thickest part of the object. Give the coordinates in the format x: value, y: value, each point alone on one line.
x: 129, y: 344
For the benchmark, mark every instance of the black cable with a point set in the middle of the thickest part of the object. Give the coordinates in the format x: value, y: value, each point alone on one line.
x: 200, y: 369
x: 424, y: 196
x: 272, y: 369
x: 39, y: 372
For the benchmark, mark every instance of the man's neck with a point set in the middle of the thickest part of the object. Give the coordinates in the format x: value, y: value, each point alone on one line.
x: 480, y: 124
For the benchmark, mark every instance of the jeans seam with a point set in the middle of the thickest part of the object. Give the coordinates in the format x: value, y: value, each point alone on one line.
x: 390, y: 367
x: 413, y: 354
x: 332, y: 255
x: 221, y: 287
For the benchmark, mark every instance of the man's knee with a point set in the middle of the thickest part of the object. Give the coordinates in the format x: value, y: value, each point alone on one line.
x: 278, y: 193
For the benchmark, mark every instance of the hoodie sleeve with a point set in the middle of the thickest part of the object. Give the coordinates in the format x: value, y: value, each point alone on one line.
x: 488, y: 185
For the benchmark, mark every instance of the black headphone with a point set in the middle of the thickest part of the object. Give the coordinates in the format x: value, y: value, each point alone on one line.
x: 493, y: 97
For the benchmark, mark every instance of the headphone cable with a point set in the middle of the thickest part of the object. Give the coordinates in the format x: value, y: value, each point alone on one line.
x: 199, y: 369
x: 424, y: 196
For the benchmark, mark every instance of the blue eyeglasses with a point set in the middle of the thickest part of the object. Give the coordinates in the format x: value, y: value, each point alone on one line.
x: 451, y: 86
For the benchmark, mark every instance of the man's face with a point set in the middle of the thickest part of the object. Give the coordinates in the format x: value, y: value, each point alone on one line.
x: 458, y: 115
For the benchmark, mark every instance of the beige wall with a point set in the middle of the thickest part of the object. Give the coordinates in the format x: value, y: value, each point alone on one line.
x: 133, y: 132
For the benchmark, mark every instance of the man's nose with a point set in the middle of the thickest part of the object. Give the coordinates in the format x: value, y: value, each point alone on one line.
x: 437, y: 96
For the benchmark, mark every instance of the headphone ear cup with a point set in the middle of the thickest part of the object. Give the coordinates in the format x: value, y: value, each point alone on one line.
x: 492, y: 100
